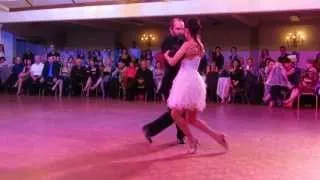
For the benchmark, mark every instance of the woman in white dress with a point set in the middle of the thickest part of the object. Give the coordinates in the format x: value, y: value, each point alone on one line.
x: 188, y: 92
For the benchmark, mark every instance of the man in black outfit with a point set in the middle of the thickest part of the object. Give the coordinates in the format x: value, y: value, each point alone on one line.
x: 172, y: 43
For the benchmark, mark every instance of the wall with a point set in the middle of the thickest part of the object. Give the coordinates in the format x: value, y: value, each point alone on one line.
x: 270, y: 36
x: 89, y: 38
x: 212, y: 36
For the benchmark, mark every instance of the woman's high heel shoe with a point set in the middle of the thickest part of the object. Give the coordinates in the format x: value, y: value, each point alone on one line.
x: 223, y: 142
x: 194, y: 146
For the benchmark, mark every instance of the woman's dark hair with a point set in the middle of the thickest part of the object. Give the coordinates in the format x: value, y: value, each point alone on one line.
x: 233, y: 47
x: 2, y: 47
x: 318, y: 57
x: 194, y: 27
x: 286, y: 60
x: 239, y: 63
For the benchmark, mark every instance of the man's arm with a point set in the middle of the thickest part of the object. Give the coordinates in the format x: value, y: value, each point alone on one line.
x: 175, y: 59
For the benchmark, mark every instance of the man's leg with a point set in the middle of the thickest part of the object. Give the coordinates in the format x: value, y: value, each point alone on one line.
x: 160, y: 124
x: 180, y: 135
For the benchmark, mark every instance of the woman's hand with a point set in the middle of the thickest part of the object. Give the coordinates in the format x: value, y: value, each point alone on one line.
x: 166, y: 54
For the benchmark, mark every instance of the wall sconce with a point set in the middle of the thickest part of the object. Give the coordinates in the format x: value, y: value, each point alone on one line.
x: 295, y: 39
x: 148, y: 38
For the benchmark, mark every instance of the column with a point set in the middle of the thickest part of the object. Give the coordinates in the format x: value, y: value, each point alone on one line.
x: 1, y: 40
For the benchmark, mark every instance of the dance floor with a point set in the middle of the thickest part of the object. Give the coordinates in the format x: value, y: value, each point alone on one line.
x: 95, y: 139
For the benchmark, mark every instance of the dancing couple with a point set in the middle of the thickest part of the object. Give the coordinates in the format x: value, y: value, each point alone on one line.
x: 183, y: 86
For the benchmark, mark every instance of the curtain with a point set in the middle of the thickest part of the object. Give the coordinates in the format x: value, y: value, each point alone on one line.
x: 8, y: 40
x: 22, y: 46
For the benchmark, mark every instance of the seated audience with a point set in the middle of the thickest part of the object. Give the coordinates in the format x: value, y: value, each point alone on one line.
x: 28, y: 55
x: 237, y: 77
x: 16, y: 70
x: 23, y: 76
x: 94, y: 77
x: 117, y: 80
x: 158, y: 73
x: 307, y: 84
x: 150, y: 66
x: 148, y: 56
x: 125, y: 57
x: 51, y: 74
x: 4, y: 70
x: 212, y: 75
x: 265, y: 74
x: 283, y: 54
x: 145, y: 78
x: 129, y: 80
x: 106, y: 76
x: 279, y: 84
x: 78, y: 77
x: 293, y: 73
x: 234, y: 56
x: 35, y: 74
x: 53, y: 52
x: 251, y: 82
x: 316, y: 62
x: 218, y: 58
x: 65, y: 73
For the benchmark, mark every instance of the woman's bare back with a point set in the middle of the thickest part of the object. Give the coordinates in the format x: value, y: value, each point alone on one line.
x: 193, y: 50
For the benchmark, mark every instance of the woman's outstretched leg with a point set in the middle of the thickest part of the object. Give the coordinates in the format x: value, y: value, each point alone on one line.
x: 192, y: 117
x: 183, y: 125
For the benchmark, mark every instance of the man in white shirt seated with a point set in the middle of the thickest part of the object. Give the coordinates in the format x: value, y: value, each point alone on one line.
x: 35, y: 73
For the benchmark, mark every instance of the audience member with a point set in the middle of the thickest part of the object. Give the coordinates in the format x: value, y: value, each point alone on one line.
x: 218, y: 58
x: 145, y: 75
x: 35, y: 74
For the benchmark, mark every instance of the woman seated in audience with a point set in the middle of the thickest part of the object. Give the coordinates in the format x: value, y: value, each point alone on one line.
x: 158, y: 74
x: 265, y: 74
x: 24, y: 75
x: 316, y: 62
x: 16, y: 70
x: 251, y: 82
x: 218, y: 58
x: 279, y: 83
x: 78, y: 77
x: 293, y: 73
x: 125, y: 57
x: 129, y: 80
x: 307, y: 84
x: 116, y: 79
x: 237, y: 77
x: 64, y: 81
x: 94, y: 77
x: 106, y: 70
x: 2, y: 50
x: 212, y: 75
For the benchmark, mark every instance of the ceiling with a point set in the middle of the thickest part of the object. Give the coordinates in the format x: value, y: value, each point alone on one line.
x: 18, y: 5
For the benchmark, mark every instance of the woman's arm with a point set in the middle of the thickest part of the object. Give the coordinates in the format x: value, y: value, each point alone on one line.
x: 175, y: 59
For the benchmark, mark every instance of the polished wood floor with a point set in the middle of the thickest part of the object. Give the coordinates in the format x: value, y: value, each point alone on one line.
x: 96, y: 139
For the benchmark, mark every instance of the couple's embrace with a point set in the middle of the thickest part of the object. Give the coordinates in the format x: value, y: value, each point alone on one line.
x: 182, y: 85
